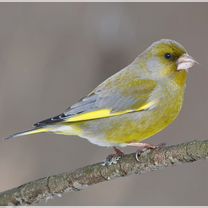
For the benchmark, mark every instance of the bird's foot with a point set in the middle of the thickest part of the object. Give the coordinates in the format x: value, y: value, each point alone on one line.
x: 113, y: 158
x: 142, y: 147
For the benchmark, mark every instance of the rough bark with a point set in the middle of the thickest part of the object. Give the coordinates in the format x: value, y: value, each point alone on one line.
x: 45, y: 188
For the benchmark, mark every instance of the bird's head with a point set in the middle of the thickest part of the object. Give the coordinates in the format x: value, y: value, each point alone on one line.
x: 166, y: 58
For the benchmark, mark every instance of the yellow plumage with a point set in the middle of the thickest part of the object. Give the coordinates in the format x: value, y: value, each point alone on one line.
x: 132, y: 105
x: 104, y: 113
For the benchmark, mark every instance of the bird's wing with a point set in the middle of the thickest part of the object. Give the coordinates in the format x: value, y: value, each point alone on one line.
x: 109, y: 99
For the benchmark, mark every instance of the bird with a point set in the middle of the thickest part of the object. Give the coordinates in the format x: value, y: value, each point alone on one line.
x: 134, y: 104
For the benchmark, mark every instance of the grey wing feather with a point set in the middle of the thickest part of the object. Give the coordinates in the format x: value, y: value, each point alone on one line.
x: 84, y: 105
x: 99, y: 101
x: 114, y: 98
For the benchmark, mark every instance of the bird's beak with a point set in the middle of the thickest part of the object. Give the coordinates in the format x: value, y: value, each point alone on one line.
x: 185, y: 62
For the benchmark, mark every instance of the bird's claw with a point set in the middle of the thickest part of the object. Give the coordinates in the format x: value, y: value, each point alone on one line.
x: 138, y: 154
x: 113, y: 158
x: 146, y: 148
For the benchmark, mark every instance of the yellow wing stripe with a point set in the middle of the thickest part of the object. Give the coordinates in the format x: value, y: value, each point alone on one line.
x: 104, y: 113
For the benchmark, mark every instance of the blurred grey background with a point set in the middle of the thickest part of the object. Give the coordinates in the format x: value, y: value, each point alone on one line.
x: 52, y: 54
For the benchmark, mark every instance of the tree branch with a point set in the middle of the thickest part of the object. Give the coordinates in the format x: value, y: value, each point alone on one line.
x: 48, y: 187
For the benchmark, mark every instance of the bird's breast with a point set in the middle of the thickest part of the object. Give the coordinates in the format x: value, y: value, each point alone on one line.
x: 137, y: 126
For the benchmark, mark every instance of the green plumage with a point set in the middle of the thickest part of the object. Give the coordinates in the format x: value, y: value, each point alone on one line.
x: 132, y: 105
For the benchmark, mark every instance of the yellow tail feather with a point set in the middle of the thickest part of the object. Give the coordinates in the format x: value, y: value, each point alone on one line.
x: 28, y: 132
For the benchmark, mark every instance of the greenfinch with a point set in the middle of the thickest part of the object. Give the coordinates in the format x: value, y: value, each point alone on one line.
x: 132, y: 105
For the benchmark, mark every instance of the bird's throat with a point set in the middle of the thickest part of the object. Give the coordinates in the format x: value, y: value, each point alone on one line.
x: 180, y: 78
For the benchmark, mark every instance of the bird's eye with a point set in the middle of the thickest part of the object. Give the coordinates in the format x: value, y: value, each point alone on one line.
x: 169, y: 56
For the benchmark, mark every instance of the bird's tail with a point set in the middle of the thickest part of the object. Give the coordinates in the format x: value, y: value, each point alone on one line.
x: 28, y: 132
